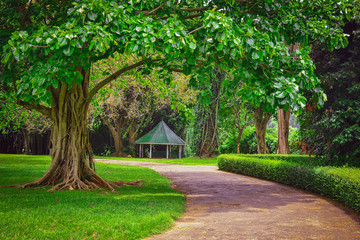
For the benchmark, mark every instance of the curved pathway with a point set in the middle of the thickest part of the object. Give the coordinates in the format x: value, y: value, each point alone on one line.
x: 222, y: 205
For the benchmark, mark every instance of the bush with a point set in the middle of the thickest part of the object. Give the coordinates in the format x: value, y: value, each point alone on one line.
x: 339, y: 183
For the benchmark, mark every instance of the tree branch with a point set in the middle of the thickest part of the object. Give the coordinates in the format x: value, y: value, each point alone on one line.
x: 194, y: 9
x: 152, y: 12
x: 197, y: 29
x: 111, y: 78
x: 42, y: 109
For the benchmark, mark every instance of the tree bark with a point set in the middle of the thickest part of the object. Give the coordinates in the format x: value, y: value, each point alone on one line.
x: 238, y: 140
x: 208, y: 117
x: 283, y: 132
x: 116, y: 130
x: 70, y: 168
x: 239, y: 126
x: 132, y: 136
x: 261, y: 120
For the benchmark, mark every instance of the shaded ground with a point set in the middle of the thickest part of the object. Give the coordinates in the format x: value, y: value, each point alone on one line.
x: 223, y: 205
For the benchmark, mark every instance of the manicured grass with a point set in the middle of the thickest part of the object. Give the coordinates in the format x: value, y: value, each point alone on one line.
x: 182, y: 161
x: 131, y: 213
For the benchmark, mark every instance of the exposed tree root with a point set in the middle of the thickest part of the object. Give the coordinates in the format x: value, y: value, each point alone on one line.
x: 77, y: 184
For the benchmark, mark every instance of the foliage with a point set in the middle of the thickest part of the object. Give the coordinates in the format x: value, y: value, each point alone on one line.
x: 254, y: 34
x: 248, y: 140
x: 130, y: 213
x: 334, y: 130
x: 15, y: 118
x: 342, y: 183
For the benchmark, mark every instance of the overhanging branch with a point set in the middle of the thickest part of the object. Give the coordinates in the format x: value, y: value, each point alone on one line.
x: 42, y: 109
x: 111, y: 78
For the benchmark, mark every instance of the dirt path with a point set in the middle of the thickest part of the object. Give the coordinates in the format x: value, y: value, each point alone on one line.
x: 223, y: 205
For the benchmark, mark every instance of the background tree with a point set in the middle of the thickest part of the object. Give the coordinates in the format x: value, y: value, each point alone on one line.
x: 22, y: 123
x: 205, y: 135
x: 333, y: 131
x: 234, y: 111
x: 125, y: 103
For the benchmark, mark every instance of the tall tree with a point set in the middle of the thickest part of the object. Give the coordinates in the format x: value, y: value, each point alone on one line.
x: 334, y: 130
x: 206, y: 116
x: 283, y: 117
x: 50, y: 50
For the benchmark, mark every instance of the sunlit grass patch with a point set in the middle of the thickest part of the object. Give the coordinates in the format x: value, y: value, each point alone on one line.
x: 181, y: 161
x: 131, y: 213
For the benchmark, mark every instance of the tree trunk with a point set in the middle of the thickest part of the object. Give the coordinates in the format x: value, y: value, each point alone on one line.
x: 283, y: 132
x: 261, y: 121
x: 207, y: 119
x: 70, y: 169
x: 27, y: 141
x: 132, y: 136
x: 238, y: 140
x: 116, y: 130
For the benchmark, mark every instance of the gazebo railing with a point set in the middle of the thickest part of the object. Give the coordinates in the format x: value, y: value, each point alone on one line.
x: 162, y: 154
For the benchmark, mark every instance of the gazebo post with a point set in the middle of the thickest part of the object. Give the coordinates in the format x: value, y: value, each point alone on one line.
x: 180, y: 151
x: 167, y: 151
x: 150, y: 150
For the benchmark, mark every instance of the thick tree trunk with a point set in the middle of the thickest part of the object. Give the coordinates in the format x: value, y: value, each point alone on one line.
x: 261, y: 120
x: 283, y: 132
x: 72, y: 164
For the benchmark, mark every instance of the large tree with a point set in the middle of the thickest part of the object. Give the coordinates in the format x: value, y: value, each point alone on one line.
x: 51, y: 46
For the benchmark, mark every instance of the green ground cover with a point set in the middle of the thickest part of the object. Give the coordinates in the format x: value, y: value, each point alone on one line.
x: 181, y: 161
x: 131, y: 213
x: 339, y: 183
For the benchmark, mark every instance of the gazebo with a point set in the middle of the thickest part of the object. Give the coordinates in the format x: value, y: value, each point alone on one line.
x: 160, y: 135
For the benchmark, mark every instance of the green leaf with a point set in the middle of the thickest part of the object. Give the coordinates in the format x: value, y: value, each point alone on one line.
x: 92, y: 16
x: 48, y: 40
x: 255, y: 55
x: 280, y: 94
x: 67, y: 50
x: 55, y: 83
x: 250, y: 41
x: 192, y: 45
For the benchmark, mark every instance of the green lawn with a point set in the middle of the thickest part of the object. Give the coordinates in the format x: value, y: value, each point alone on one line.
x: 182, y: 161
x: 131, y: 213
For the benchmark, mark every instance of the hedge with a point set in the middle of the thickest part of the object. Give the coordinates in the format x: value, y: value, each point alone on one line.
x: 339, y: 183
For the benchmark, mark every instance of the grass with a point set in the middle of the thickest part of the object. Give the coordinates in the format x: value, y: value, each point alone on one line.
x: 131, y: 213
x: 181, y: 161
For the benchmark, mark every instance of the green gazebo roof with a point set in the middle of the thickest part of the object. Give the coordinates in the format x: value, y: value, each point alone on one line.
x: 161, y: 135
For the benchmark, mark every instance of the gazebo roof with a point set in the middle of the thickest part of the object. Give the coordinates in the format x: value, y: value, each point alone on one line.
x: 161, y: 135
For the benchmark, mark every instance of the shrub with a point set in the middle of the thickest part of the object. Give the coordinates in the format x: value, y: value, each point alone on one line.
x: 339, y: 183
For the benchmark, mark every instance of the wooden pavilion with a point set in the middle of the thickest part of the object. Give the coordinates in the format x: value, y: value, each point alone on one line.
x: 161, y: 136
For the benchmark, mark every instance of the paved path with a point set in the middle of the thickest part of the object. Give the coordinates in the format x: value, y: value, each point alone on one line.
x: 222, y: 205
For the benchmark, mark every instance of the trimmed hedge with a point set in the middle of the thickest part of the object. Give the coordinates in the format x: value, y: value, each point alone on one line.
x: 339, y: 183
